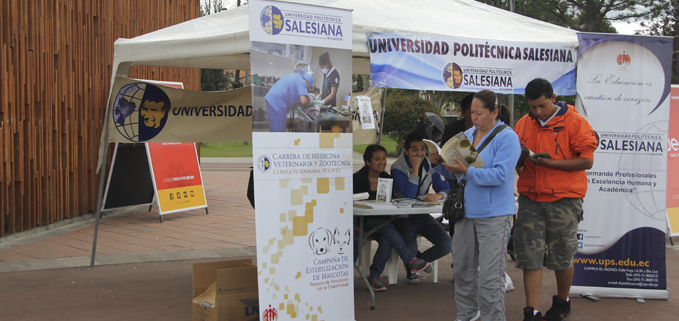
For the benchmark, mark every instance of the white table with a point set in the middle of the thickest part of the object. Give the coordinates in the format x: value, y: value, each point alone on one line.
x: 383, y: 211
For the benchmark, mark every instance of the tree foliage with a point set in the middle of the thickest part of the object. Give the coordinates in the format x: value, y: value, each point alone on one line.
x: 402, y: 109
x: 583, y: 15
x: 665, y: 22
x: 218, y: 79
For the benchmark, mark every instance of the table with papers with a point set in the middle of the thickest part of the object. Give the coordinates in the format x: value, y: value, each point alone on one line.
x: 361, y: 210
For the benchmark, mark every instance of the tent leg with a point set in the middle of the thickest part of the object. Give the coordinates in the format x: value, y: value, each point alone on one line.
x: 161, y: 218
x: 97, y: 215
x: 670, y: 237
x: 383, y: 103
x: 206, y: 211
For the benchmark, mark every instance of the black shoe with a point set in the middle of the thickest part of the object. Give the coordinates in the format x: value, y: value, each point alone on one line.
x: 560, y: 310
x: 529, y: 315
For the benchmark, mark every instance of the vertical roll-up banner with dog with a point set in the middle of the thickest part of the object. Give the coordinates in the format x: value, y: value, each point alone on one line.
x: 624, y: 92
x: 673, y: 164
x: 302, y: 156
x: 434, y: 62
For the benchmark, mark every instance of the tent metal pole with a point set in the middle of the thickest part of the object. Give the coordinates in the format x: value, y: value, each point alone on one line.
x: 510, y: 103
x: 383, y: 103
x: 100, y: 194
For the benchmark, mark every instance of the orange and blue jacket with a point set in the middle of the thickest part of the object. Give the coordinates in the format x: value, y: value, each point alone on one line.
x: 567, y: 135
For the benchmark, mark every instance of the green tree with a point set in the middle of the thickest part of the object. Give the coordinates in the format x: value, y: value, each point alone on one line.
x: 583, y: 15
x: 216, y: 80
x: 666, y: 23
x: 402, y: 109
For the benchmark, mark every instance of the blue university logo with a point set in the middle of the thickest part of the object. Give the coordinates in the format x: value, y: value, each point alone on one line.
x: 140, y: 111
x: 271, y: 20
x: 264, y: 163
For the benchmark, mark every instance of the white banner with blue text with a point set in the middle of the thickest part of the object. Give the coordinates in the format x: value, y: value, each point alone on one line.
x: 623, y: 91
x: 434, y: 62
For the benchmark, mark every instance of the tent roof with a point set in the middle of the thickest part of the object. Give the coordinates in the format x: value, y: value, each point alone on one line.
x: 221, y: 40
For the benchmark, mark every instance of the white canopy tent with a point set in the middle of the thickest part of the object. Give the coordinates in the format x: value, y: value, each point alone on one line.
x: 221, y: 40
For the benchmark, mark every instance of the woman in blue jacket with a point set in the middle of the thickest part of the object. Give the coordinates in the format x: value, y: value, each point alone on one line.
x: 481, y: 236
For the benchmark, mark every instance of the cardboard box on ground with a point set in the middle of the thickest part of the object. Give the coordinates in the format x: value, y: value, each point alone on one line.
x: 225, y: 290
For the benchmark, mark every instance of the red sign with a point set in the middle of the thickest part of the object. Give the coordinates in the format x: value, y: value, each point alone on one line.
x: 176, y: 176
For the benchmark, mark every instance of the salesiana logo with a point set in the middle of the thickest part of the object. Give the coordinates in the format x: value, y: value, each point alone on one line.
x: 452, y: 75
x: 270, y: 314
x: 623, y: 59
x: 264, y: 163
x: 271, y: 20
x: 140, y: 111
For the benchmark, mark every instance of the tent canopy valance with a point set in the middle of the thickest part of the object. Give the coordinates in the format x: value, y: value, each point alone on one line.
x: 221, y: 40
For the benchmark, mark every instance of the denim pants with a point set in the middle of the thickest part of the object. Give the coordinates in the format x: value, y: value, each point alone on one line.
x: 427, y: 226
x: 387, y: 238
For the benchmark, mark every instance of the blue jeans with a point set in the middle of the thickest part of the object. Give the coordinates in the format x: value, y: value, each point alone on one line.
x: 387, y: 238
x: 427, y: 226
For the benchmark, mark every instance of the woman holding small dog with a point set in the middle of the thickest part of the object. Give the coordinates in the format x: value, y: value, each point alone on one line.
x: 365, y: 180
x: 481, y: 235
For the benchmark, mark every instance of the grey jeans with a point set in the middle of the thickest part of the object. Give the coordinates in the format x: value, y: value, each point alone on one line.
x: 481, y: 243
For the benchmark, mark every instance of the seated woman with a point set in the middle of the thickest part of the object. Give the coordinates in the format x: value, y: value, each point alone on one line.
x: 365, y: 180
x: 481, y: 236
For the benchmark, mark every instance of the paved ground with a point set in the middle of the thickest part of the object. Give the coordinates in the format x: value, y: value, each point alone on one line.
x: 143, y: 267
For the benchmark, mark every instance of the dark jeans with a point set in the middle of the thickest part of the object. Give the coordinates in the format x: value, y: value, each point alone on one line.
x: 429, y: 228
x: 387, y: 238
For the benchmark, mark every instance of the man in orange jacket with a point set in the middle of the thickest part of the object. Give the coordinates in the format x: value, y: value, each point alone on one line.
x: 557, y: 147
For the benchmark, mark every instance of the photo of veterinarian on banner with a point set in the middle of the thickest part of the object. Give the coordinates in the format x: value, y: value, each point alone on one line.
x: 297, y: 88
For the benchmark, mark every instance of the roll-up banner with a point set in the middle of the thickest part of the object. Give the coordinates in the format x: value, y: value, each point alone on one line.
x: 144, y: 111
x: 673, y: 164
x: 302, y: 156
x: 434, y: 62
x: 623, y: 91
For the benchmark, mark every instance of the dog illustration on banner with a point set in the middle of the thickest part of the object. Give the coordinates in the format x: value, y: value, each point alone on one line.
x: 322, y: 240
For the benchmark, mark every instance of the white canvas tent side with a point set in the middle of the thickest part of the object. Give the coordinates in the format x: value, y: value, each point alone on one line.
x: 221, y: 40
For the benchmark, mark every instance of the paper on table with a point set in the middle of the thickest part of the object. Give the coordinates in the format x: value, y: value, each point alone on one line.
x: 361, y: 196
x: 373, y: 204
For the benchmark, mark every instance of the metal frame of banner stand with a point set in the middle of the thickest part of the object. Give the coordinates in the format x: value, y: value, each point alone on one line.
x: 100, y: 199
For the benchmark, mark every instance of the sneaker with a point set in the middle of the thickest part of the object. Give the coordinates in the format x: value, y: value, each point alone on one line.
x: 429, y: 268
x: 412, y: 278
x: 530, y: 315
x: 560, y: 310
x: 377, y: 285
x: 417, y: 265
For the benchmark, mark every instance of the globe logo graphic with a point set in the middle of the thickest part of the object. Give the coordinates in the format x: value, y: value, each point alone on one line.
x: 647, y: 200
x: 140, y: 111
x: 271, y: 20
x: 452, y: 75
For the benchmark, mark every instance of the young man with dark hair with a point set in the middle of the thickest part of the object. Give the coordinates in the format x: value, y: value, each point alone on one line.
x: 551, y: 191
x: 462, y: 124
x: 413, y: 175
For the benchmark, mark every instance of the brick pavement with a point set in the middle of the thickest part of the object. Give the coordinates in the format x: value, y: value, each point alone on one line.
x: 137, y: 235
x: 229, y: 228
